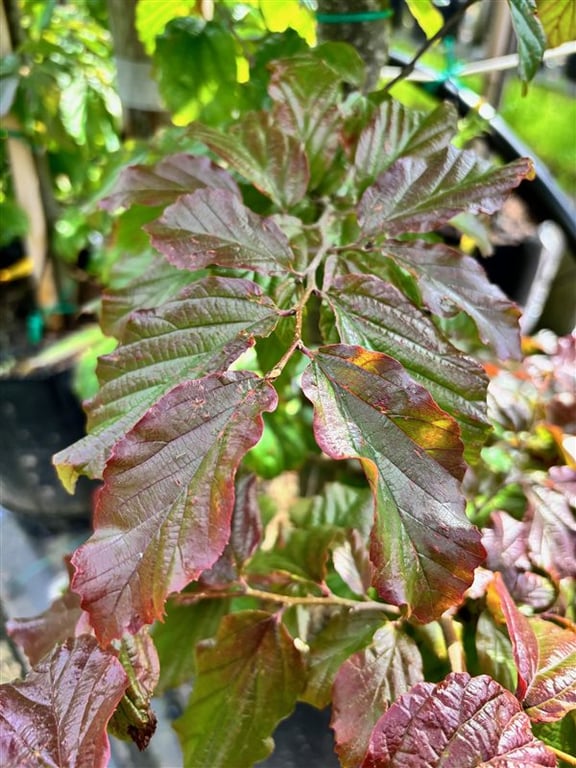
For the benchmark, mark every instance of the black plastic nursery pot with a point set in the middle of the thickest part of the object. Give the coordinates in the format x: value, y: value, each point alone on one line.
x: 40, y: 415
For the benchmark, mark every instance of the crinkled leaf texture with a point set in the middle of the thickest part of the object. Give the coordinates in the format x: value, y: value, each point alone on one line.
x: 365, y: 686
x: 423, y: 549
x: 450, y: 281
x: 396, y: 131
x: 58, y: 716
x: 372, y: 313
x: 462, y: 722
x: 420, y: 194
x: 205, y: 328
x: 273, y: 161
x: 247, y: 680
x: 163, y: 515
x: 212, y: 226
x: 545, y: 656
x: 164, y: 182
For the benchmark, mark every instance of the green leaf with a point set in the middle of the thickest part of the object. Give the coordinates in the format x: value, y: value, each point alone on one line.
x: 152, y: 17
x: 429, y: 18
x: 423, y: 549
x: 195, y: 65
x: 248, y: 680
x: 211, y: 226
x: 205, y: 328
x: 495, y: 657
x: 184, y: 626
x: 558, y: 17
x: 164, y: 182
x: 306, y: 93
x: 530, y: 35
x: 273, y: 161
x: 396, y: 131
x: 450, y: 281
x: 420, y: 194
x: 343, y: 635
x: 374, y: 314
x: 367, y: 684
x: 560, y: 735
x: 340, y: 506
x: 164, y: 513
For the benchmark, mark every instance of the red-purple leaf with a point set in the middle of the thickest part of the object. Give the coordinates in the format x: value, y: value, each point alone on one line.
x: 420, y: 194
x: 524, y: 643
x: 462, y: 722
x: 306, y: 95
x: 396, y: 131
x: 374, y: 314
x: 57, y: 717
x: 38, y: 635
x: 366, y: 685
x: 248, y: 679
x: 164, y: 182
x: 552, y: 691
x: 551, y: 534
x: 423, y: 549
x: 450, y: 281
x: 212, y: 226
x: 205, y: 328
x: 163, y: 515
x: 273, y: 161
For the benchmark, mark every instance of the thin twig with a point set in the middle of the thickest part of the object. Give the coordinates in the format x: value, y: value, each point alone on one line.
x: 562, y: 755
x: 454, y: 647
x: 409, y: 68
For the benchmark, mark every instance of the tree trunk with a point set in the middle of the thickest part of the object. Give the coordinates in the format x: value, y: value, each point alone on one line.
x: 369, y: 36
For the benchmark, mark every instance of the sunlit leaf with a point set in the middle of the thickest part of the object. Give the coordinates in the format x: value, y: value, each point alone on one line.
x: 494, y: 650
x: 152, y: 17
x: 164, y: 182
x: 205, y: 328
x: 58, y: 715
x: 374, y: 314
x: 365, y: 686
x: 558, y: 17
x: 270, y: 159
x: 248, y: 680
x: 211, y: 226
x: 427, y: 15
x: 462, y: 722
x: 530, y: 35
x: 420, y: 194
x: 551, y: 534
x: 450, y: 281
x: 163, y: 515
x: 422, y: 547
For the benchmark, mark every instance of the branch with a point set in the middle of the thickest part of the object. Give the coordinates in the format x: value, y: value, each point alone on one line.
x: 409, y: 68
x: 453, y: 644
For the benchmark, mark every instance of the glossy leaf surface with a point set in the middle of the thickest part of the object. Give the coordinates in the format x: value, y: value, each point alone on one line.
x: 422, y: 547
x: 205, y: 328
x: 164, y: 182
x: 163, y: 516
x: 367, y: 684
x: 462, y: 722
x: 211, y: 226
x: 374, y: 314
x: 58, y: 715
x: 419, y: 194
x: 248, y: 679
